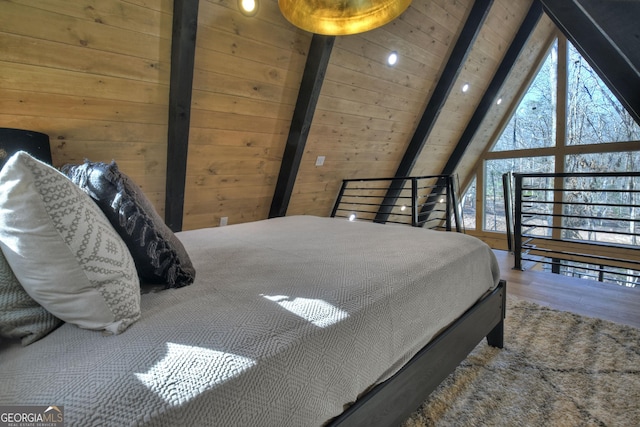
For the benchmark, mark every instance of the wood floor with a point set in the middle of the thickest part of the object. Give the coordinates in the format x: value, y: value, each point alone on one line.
x: 585, y: 297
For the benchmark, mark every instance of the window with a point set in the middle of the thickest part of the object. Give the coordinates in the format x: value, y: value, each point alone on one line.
x: 533, y: 123
x: 594, y: 115
x: 607, y: 198
x: 468, y: 207
x: 596, y: 137
x: 494, y: 211
x: 603, y: 162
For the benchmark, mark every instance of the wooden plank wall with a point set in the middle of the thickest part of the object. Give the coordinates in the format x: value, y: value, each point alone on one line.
x: 492, y: 42
x: 246, y: 79
x: 514, y: 88
x: 94, y: 76
x: 368, y: 111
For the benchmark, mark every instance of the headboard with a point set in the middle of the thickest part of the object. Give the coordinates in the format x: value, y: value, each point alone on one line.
x: 34, y: 143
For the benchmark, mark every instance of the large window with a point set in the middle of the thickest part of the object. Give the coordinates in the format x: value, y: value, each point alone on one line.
x: 468, y: 206
x: 596, y: 137
x: 494, y: 214
x: 594, y: 115
x: 610, y: 197
x: 533, y: 124
x: 623, y: 161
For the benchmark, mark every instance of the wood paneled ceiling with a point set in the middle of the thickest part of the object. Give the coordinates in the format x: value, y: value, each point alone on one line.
x: 216, y: 114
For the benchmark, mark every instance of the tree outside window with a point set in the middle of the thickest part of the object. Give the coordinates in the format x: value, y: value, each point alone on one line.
x: 594, y: 115
x: 594, y: 118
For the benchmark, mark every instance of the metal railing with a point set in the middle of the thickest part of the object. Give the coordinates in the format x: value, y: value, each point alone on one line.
x: 579, y: 224
x: 507, y: 189
x: 425, y: 201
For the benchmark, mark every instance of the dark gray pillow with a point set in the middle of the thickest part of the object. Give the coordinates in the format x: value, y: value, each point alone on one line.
x: 158, y: 254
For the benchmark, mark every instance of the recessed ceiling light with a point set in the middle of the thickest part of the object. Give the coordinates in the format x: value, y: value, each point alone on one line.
x: 392, y: 59
x: 248, y: 7
x: 499, y: 101
x: 465, y: 87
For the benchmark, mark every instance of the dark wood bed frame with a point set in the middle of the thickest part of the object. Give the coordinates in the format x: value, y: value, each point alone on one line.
x: 392, y: 402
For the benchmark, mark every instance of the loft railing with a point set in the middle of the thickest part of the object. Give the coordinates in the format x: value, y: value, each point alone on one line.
x: 425, y: 201
x: 579, y: 224
x: 507, y: 189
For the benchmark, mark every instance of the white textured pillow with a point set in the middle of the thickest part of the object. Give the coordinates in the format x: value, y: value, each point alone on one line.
x: 63, y: 250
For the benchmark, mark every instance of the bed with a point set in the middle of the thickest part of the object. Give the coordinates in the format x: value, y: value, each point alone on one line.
x: 290, y: 321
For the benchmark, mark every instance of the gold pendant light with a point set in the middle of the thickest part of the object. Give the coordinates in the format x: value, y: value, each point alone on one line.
x: 341, y: 17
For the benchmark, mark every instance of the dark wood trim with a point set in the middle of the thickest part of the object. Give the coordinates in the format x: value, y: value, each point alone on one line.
x: 393, y: 401
x: 488, y: 99
x: 604, y: 36
x: 450, y: 73
x: 312, y: 78
x: 183, y: 49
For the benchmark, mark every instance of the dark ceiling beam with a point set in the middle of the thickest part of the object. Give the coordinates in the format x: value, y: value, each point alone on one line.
x: 493, y: 90
x: 441, y: 92
x: 489, y: 98
x: 183, y: 49
x: 308, y: 94
x: 607, y: 35
x: 619, y: 21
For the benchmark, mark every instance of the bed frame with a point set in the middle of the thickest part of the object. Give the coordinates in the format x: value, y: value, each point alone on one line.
x: 392, y: 402
x: 433, y: 205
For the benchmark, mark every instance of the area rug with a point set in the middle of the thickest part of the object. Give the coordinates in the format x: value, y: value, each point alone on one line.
x: 556, y: 369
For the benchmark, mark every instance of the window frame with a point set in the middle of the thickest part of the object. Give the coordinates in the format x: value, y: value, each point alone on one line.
x: 560, y: 151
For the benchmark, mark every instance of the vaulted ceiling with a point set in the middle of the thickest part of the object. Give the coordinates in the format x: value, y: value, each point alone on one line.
x: 216, y: 114
x: 413, y: 119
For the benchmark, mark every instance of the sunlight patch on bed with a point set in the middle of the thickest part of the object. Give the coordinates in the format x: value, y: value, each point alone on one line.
x: 318, y: 312
x: 187, y: 371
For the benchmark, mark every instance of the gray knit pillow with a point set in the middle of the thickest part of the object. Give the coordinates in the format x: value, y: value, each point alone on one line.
x: 20, y: 316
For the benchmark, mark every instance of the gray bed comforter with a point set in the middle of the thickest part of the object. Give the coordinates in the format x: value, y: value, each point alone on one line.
x: 288, y: 321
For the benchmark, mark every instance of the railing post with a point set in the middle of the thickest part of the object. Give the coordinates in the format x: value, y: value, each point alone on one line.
x: 414, y: 201
x: 454, y: 202
x: 448, y: 203
x: 517, y: 224
x: 558, y: 208
x: 508, y: 207
x: 337, y: 203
